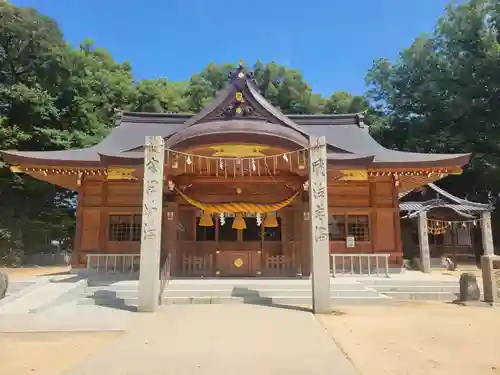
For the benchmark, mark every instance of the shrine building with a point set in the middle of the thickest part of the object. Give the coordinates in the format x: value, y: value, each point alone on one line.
x: 236, y: 187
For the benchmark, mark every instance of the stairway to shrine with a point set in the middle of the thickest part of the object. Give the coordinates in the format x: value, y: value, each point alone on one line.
x: 426, y: 290
x: 252, y: 291
x: 344, y: 291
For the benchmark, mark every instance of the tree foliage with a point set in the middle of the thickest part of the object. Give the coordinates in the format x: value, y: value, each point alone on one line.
x: 441, y: 95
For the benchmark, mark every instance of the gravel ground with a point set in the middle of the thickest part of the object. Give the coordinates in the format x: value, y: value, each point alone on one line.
x: 417, y: 338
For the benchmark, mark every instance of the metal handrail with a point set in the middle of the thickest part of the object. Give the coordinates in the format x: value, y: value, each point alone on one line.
x: 360, y: 266
x: 113, y: 263
x: 165, y: 273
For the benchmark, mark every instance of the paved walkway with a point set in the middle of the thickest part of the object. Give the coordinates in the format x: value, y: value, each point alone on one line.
x: 219, y: 340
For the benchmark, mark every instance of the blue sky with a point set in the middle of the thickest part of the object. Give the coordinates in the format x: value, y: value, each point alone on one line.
x: 332, y: 42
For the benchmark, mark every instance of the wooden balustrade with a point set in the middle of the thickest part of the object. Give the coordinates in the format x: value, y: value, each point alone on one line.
x: 197, y: 265
x: 279, y: 266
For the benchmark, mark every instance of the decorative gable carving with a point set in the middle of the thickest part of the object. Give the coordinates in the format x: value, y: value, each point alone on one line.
x: 238, y: 106
x: 237, y: 100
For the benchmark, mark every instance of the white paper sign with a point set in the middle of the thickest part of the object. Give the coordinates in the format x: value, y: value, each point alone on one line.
x: 350, y: 242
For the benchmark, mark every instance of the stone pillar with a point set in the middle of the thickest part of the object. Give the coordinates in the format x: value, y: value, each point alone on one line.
x: 486, y: 233
x: 152, y: 196
x: 490, y: 269
x: 318, y: 219
x: 423, y: 240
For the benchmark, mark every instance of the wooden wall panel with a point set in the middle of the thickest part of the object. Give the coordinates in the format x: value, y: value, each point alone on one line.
x: 91, y: 219
x: 92, y: 193
x: 349, y: 194
x: 124, y: 247
x: 385, y: 240
x: 124, y: 194
x: 384, y: 194
x: 340, y: 247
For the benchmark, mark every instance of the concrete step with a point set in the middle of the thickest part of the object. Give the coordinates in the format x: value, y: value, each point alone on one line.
x: 211, y: 285
x: 422, y: 296
x: 277, y: 300
x: 403, y: 282
x: 266, y: 293
x: 416, y: 288
x: 205, y: 288
x: 258, y: 300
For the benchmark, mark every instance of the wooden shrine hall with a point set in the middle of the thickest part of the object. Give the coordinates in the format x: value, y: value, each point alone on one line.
x: 235, y: 194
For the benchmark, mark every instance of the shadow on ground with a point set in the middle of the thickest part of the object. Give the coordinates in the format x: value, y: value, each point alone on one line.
x: 108, y: 298
x: 253, y: 297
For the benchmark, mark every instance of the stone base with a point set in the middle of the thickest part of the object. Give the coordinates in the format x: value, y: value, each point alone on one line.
x: 473, y: 303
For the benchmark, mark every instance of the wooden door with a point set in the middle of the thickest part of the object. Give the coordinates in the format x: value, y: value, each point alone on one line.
x: 235, y: 263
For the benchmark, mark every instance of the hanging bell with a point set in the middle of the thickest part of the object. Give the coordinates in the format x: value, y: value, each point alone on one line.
x: 239, y: 222
x: 206, y: 220
x: 271, y: 221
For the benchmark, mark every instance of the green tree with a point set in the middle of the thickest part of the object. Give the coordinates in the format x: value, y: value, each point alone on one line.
x: 51, y: 97
x: 160, y: 95
x: 440, y: 95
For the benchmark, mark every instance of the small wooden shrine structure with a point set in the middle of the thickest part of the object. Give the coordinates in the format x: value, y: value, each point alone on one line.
x: 454, y: 224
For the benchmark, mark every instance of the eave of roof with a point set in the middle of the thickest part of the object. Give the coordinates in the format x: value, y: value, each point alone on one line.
x: 460, y: 201
x: 436, y: 203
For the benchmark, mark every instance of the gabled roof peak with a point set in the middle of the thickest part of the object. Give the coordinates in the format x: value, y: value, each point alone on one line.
x: 240, y: 75
x: 240, y: 99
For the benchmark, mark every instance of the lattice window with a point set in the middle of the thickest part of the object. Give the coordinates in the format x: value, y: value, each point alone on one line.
x: 358, y: 227
x: 342, y: 226
x: 125, y: 227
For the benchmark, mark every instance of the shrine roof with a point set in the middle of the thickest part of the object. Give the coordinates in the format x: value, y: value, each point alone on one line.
x: 239, y: 110
x: 440, y: 199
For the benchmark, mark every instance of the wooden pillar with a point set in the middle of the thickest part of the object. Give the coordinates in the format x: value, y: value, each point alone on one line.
x: 486, y: 233
x: 453, y: 230
x: 152, y: 197
x: 318, y: 219
x: 75, y: 256
x: 423, y: 239
x: 104, y: 219
x: 305, y: 236
x: 398, y: 243
x: 170, y: 244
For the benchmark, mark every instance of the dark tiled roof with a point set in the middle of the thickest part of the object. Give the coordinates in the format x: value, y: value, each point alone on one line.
x: 345, y: 134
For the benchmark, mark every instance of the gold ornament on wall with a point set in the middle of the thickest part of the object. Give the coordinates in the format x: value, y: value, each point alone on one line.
x: 121, y: 174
